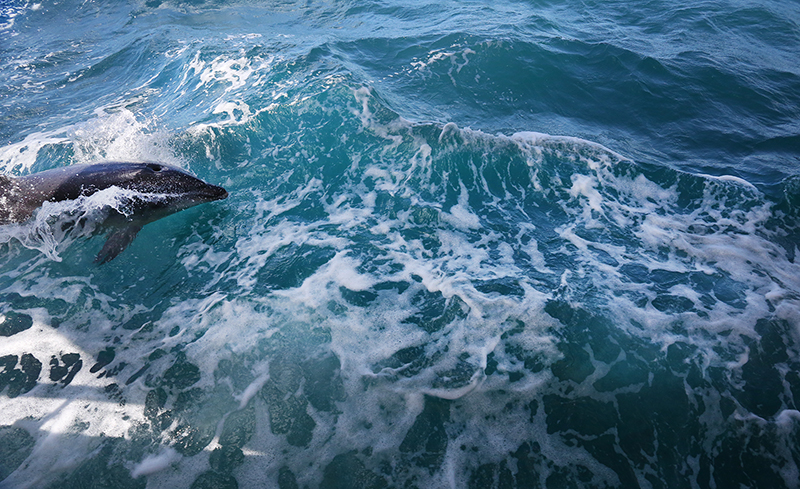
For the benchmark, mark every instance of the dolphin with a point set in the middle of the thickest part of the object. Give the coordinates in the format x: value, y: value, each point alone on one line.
x: 160, y: 190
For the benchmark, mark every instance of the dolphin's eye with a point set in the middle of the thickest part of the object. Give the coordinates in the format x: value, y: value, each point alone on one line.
x: 155, y: 166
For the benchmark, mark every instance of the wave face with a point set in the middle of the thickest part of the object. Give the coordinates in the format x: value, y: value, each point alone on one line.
x: 508, y: 245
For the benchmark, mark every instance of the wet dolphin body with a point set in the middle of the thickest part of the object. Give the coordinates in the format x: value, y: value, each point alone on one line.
x: 170, y: 190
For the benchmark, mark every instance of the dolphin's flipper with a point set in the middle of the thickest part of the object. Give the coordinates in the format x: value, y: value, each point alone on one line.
x: 117, y: 242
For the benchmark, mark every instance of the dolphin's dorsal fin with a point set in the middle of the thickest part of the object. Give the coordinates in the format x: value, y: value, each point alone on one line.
x: 117, y: 243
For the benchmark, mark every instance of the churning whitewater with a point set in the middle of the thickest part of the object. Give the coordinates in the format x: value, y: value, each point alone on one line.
x: 506, y: 245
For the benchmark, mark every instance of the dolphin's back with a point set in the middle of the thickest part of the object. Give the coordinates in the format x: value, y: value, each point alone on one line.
x: 21, y: 196
x: 70, y: 182
x: 17, y: 200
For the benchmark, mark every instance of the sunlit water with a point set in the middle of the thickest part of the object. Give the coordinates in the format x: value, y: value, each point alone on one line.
x: 508, y: 244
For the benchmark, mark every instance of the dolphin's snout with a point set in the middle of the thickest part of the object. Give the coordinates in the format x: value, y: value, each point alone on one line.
x: 208, y: 193
x: 217, y: 193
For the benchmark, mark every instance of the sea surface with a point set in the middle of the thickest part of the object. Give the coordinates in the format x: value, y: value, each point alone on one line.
x: 468, y: 244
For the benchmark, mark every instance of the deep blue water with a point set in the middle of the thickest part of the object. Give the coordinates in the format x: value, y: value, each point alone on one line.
x: 509, y: 244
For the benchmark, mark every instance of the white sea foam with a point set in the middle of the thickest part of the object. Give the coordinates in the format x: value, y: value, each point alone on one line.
x: 155, y: 463
x: 457, y: 55
x: 11, y: 11
x: 230, y: 81
x: 115, y: 133
x: 21, y: 156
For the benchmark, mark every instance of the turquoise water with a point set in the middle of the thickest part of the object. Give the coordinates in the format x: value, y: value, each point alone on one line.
x: 514, y: 244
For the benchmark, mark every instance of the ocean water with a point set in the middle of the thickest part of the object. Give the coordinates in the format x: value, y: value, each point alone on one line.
x: 508, y: 244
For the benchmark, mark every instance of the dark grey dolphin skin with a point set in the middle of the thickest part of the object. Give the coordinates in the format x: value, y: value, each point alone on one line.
x: 171, y: 190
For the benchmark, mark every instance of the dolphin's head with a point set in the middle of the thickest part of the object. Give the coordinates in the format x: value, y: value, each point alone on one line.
x: 163, y: 179
x: 183, y: 189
